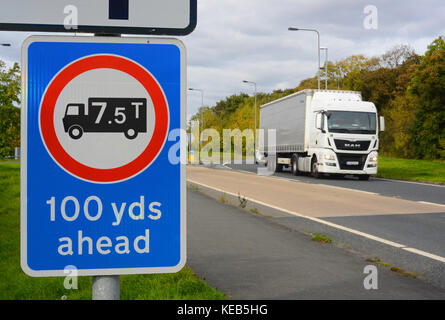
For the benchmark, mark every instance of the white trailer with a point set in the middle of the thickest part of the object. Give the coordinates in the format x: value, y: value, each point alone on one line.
x: 321, y: 132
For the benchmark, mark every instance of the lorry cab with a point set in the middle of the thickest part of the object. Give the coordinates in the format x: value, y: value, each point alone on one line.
x: 344, y: 137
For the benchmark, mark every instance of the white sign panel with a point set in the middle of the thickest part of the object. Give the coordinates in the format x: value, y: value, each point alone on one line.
x: 171, y: 17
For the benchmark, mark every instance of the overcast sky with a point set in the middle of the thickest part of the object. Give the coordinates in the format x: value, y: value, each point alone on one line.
x: 239, y: 40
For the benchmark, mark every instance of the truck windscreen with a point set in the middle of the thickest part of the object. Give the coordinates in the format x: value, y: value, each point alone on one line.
x: 351, y: 122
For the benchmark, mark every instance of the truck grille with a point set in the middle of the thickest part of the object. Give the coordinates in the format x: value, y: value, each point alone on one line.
x: 361, y: 145
x: 351, y: 161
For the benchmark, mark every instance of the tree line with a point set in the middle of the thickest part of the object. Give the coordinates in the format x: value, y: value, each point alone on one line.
x: 408, y: 90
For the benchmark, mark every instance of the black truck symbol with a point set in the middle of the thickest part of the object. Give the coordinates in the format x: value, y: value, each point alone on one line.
x: 127, y: 115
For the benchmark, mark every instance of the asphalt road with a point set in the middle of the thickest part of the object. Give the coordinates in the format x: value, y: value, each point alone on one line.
x: 424, y: 231
x: 410, y: 232
x: 248, y: 256
x: 392, y: 188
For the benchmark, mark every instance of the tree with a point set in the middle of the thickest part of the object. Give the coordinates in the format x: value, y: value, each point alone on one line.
x: 9, y: 113
x: 9, y: 130
x: 10, y: 85
x: 428, y: 86
x: 396, y: 56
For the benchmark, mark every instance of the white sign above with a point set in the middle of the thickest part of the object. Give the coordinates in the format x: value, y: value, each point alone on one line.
x: 167, y: 17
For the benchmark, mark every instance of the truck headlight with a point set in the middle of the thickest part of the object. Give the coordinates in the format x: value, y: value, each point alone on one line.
x: 329, y: 157
x: 373, y: 158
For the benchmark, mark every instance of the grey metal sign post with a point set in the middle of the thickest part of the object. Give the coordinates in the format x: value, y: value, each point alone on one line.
x: 106, y: 288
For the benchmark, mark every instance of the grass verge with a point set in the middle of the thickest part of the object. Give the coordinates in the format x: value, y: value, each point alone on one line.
x: 397, y: 270
x: 318, y: 237
x: 16, y: 285
x: 411, y: 169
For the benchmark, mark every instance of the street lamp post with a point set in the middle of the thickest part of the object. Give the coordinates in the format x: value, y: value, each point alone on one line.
x: 202, y: 117
x: 326, y: 68
x: 318, y: 38
x: 254, y: 132
x: 202, y: 105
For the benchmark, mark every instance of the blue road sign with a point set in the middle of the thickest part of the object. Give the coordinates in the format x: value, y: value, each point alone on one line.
x: 102, y: 184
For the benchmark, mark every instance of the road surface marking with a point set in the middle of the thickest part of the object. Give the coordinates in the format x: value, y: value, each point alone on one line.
x: 303, y: 181
x: 334, y: 225
x: 425, y: 254
x: 412, y: 182
x: 433, y: 203
x: 244, y: 171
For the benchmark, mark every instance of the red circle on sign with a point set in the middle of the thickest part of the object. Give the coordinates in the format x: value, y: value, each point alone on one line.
x: 73, y: 166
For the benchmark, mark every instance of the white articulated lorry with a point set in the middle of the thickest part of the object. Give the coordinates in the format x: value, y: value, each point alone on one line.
x: 321, y: 132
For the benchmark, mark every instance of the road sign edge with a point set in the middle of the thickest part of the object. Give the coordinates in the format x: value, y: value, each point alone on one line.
x: 23, y: 161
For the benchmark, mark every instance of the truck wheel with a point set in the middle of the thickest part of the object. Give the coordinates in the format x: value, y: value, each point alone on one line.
x: 314, y: 168
x: 294, y: 166
x: 75, y: 132
x: 130, y: 134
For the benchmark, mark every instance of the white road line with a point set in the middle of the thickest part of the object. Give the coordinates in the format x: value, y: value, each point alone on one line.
x: 432, y: 203
x: 412, y: 182
x: 348, y: 189
x: 315, y: 184
x: 425, y: 254
x: 334, y: 225
x: 245, y: 171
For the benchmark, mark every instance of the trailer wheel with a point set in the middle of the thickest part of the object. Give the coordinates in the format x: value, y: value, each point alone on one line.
x: 75, y: 132
x: 130, y: 134
x: 294, y: 165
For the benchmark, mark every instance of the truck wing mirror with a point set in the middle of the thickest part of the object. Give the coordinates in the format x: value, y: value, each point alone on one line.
x: 382, y: 123
x: 319, y: 122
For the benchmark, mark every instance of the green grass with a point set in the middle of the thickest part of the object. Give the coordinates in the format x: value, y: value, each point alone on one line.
x: 318, y: 237
x: 223, y: 198
x: 15, y: 284
x: 379, y: 262
x: 410, y: 169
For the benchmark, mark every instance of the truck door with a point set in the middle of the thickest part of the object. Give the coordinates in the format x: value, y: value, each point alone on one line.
x: 319, y: 126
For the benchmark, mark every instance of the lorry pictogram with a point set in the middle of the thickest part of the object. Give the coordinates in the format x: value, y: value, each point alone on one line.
x: 127, y: 115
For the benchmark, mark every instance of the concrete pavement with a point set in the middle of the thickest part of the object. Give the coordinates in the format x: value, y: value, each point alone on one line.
x: 409, y: 190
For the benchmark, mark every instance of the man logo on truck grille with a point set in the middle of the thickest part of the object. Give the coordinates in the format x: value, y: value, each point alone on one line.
x: 127, y: 115
x: 104, y: 118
